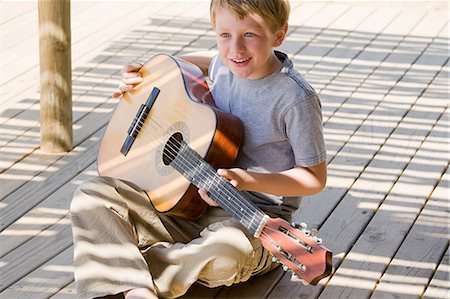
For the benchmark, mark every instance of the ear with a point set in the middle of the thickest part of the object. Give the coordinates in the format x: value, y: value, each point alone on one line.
x: 280, y: 35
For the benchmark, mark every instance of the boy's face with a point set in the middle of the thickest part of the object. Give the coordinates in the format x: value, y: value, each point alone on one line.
x: 246, y: 46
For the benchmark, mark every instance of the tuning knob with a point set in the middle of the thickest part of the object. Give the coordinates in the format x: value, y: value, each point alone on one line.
x: 296, y: 278
x: 313, y: 232
x: 285, y: 268
x: 302, y: 225
x: 275, y: 260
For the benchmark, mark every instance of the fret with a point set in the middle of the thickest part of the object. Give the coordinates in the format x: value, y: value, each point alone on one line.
x: 202, y: 175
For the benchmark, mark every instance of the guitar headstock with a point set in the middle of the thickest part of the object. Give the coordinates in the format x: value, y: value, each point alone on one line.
x: 298, y: 249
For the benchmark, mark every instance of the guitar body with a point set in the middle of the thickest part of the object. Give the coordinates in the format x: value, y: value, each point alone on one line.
x: 184, y: 108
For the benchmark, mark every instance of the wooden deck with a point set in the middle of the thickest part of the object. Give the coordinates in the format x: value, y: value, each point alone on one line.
x: 381, y: 69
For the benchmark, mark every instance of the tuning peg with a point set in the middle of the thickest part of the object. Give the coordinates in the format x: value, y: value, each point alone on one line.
x: 318, y: 240
x: 302, y: 225
x: 296, y: 278
x: 313, y: 232
x: 275, y: 260
x: 285, y: 268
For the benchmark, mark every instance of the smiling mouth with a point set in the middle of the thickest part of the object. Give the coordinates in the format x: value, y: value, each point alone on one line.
x: 241, y: 60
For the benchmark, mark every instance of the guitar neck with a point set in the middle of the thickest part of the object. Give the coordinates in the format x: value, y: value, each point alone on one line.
x: 201, y: 174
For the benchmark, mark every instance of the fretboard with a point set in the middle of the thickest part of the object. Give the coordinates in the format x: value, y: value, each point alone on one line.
x: 201, y: 174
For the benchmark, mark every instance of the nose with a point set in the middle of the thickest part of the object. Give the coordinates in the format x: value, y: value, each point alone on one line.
x: 238, y: 45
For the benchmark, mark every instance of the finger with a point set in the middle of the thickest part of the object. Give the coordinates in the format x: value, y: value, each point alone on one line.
x: 131, y: 75
x: 132, y: 67
x: 206, y: 198
x: 222, y: 172
x: 131, y: 81
x: 117, y: 94
x: 125, y: 87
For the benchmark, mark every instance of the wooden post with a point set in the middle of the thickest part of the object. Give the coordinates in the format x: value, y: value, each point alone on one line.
x: 55, y: 75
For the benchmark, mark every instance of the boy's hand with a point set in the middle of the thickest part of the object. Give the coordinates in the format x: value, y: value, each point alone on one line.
x: 130, y: 78
x: 236, y: 176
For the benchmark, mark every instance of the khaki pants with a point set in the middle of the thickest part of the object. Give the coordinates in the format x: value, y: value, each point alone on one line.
x: 121, y: 242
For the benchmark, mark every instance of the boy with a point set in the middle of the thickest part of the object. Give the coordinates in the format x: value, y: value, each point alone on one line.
x: 123, y: 246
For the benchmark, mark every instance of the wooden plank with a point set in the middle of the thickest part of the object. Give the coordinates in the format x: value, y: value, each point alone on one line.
x: 21, y: 35
x: 16, y: 12
x: 25, y: 143
x: 88, y: 37
x: 321, y: 67
x: 296, y: 37
x: 88, y: 124
x: 38, y: 166
x: 358, y: 206
x: 46, y: 280
x: 256, y: 287
x: 59, y: 174
x: 343, y: 170
x: 365, y: 66
x: 68, y: 292
x: 46, y: 213
x: 439, y: 286
x: 335, y: 76
x: 370, y: 134
x: 13, y: 209
x: 236, y: 293
x: 94, y: 35
x: 86, y: 27
x: 358, y: 274
x: 310, y: 29
x: 415, y: 262
x: 35, y: 252
x: 18, y: 34
x: 344, y: 56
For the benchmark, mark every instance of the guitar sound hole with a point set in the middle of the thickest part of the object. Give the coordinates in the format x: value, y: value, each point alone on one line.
x: 172, y: 148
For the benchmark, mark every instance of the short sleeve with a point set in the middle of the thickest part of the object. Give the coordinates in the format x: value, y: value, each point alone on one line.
x: 304, y: 131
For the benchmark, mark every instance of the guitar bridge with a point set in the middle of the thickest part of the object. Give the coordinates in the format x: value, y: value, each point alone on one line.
x: 138, y: 121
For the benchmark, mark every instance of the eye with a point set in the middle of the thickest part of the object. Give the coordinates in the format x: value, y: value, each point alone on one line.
x: 225, y: 35
x: 249, y: 34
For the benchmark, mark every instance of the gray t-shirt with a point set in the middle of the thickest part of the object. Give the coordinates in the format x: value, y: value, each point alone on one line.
x: 282, y: 123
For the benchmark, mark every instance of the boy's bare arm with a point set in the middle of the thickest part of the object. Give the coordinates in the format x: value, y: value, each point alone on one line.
x: 298, y: 181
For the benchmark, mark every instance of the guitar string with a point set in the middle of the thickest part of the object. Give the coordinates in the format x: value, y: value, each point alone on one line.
x: 223, y: 195
x: 214, y: 177
x: 232, y: 190
x: 248, y: 214
x: 203, y: 175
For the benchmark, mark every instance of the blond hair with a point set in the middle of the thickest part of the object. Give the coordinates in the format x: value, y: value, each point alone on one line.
x: 274, y: 12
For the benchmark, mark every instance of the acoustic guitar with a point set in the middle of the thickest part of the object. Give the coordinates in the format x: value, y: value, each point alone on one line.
x: 168, y: 138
